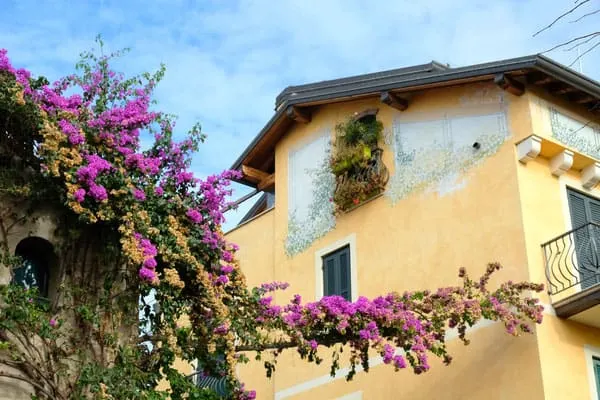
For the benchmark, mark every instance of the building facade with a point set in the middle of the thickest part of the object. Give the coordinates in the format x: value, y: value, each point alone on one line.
x: 492, y: 162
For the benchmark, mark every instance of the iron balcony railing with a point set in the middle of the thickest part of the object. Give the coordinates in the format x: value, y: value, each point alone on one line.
x: 573, y: 259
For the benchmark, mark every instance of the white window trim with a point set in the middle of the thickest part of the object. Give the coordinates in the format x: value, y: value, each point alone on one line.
x: 591, y: 352
x: 350, y: 241
x: 352, y: 396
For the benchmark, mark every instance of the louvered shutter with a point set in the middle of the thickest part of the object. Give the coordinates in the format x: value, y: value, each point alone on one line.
x: 585, y: 209
x: 597, y: 375
x: 344, y: 262
x: 336, y: 274
x: 329, y: 283
x: 593, y: 276
x: 577, y: 209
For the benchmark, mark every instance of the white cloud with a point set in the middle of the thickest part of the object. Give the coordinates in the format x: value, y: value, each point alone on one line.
x: 226, y: 61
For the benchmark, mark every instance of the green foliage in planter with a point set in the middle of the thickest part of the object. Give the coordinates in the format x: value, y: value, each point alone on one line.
x: 356, y: 162
x: 365, y: 130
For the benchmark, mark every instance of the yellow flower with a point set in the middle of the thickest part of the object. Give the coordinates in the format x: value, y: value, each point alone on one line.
x: 173, y: 279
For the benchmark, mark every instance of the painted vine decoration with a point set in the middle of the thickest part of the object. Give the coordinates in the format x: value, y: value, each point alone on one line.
x: 131, y: 220
x: 356, y: 161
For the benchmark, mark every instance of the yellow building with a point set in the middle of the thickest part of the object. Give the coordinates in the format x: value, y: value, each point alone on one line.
x: 492, y: 162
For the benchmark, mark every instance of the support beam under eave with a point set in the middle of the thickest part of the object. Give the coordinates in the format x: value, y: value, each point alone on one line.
x: 510, y: 85
x: 254, y: 175
x: 299, y: 115
x: 394, y: 101
x: 267, y: 184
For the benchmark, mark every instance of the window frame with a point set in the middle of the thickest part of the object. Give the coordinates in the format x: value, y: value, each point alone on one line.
x: 350, y: 242
x: 591, y: 353
x: 338, y: 283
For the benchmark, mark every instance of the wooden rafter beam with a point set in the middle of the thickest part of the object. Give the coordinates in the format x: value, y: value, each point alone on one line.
x: 540, y: 79
x: 505, y: 82
x: 394, y: 101
x: 559, y: 89
x: 299, y: 115
x: 585, y: 99
x: 269, y: 162
x: 267, y: 183
x: 595, y: 108
x: 253, y: 175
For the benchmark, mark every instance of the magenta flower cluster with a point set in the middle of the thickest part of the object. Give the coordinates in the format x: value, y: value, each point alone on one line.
x: 404, y: 320
x: 147, y: 271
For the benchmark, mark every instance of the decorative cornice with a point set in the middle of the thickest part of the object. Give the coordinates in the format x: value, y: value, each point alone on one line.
x: 561, y: 163
x: 529, y: 148
x: 590, y: 175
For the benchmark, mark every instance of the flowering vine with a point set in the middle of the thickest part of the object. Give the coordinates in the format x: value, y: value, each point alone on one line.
x: 136, y: 221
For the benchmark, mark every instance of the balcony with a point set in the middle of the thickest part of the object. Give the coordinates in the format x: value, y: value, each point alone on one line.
x: 573, y: 273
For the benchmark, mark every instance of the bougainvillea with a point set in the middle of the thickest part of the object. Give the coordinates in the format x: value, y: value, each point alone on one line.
x: 132, y: 221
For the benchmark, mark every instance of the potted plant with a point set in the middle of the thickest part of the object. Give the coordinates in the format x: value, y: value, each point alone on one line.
x: 356, y: 161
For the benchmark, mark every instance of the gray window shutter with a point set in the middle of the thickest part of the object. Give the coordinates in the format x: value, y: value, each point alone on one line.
x: 344, y: 259
x: 577, y: 209
x: 596, y: 362
x: 594, y: 210
x: 329, y: 275
x: 336, y: 273
x: 585, y: 209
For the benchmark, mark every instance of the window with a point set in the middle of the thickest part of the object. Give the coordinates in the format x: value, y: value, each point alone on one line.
x: 336, y: 273
x: 585, y: 209
x: 596, y: 365
x: 37, y: 256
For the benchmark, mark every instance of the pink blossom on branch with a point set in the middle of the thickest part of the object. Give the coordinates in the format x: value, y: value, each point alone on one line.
x: 416, y: 322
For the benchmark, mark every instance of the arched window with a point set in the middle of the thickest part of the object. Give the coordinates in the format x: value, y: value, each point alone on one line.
x: 37, y: 256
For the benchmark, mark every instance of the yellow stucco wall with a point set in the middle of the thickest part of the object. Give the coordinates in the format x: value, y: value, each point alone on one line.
x: 544, y: 205
x: 256, y: 258
x: 420, y: 242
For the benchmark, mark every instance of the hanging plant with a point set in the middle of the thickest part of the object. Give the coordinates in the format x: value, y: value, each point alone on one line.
x: 356, y: 161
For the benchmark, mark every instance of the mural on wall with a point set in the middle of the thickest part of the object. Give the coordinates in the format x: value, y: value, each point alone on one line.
x: 435, y: 154
x: 311, y: 187
x: 582, y: 136
x: 430, y: 154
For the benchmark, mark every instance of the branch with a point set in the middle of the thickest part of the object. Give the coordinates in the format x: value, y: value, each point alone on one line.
x: 560, y: 17
x: 269, y: 346
x: 39, y: 387
x: 571, y: 41
x: 584, y: 15
x: 23, y: 366
x: 580, y: 44
x: 4, y: 242
x: 584, y: 53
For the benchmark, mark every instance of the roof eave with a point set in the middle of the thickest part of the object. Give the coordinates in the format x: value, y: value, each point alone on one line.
x: 440, y: 77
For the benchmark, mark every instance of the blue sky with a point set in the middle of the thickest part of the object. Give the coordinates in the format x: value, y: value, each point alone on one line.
x: 227, y: 60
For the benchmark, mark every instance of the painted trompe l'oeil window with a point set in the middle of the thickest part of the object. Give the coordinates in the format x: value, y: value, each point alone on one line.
x: 310, y: 190
x: 583, y: 136
x: 435, y: 153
